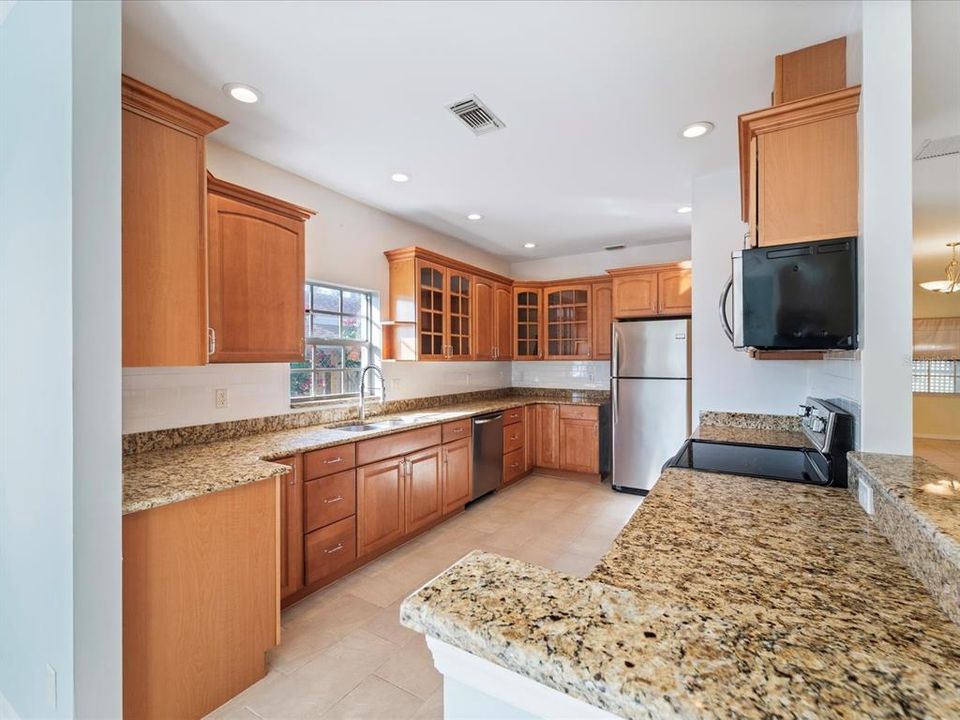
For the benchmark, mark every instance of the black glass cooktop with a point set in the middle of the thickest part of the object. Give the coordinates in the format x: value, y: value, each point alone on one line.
x: 772, y: 463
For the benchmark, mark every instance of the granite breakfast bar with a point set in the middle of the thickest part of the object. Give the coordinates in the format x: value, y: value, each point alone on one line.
x: 723, y: 596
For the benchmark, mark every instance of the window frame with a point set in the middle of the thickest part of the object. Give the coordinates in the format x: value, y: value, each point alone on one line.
x: 366, y: 347
x: 923, y: 378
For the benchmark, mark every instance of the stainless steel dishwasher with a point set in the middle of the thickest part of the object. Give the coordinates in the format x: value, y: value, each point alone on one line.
x: 487, y: 453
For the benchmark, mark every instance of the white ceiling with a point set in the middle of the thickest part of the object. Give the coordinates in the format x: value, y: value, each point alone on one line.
x: 593, y: 95
x: 936, y: 114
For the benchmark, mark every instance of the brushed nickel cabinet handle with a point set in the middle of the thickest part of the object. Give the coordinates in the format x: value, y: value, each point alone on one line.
x: 293, y: 479
x: 457, y: 430
x: 338, y: 498
x: 338, y: 548
x: 211, y: 341
x: 334, y: 461
x: 515, y: 465
x: 515, y: 437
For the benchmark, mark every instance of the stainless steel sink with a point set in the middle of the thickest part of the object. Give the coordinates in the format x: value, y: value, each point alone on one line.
x: 360, y: 428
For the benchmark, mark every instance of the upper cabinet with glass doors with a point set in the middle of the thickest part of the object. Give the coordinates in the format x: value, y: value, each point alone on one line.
x: 431, y: 311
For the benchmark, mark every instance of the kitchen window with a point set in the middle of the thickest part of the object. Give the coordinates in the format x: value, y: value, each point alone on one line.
x: 936, y: 376
x: 337, y: 334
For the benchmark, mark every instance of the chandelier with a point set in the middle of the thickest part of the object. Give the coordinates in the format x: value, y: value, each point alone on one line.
x: 952, y: 283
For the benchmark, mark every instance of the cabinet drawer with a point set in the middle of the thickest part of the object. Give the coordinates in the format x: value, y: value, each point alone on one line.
x: 512, y: 415
x: 401, y: 443
x: 578, y: 412
x: 327, y: 461
x: 330, y: 548
x: 512, y: 466
x: 513, y: 437
x: 456, y: 430
x: 329, y: 499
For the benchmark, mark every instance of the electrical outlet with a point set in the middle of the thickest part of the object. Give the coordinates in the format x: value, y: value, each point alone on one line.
x: 51, y: 687
x: 220, y: 398
x: 865, y: 496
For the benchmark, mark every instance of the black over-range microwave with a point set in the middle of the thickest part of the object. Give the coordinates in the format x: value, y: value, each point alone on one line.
x: 801, y: 296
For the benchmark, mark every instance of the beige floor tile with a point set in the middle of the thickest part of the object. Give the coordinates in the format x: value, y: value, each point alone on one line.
x: 386, y: 624
x: 323, y: 681
x: 412, y: 669
x: 432, y: 708
x: 375, y: 699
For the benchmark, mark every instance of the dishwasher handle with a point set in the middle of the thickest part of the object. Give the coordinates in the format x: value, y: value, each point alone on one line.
x: 487, y: 419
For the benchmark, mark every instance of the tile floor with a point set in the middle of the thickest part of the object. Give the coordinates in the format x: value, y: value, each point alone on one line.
x: 344, y: 653
x: 943, y: 453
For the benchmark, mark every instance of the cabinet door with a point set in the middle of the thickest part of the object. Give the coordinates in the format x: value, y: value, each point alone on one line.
x: 635, y: 295
x: 602, y: 312
x: 291, y: 528
x: 548, y: 440
x: 673, y: 291
x: 164, y: 251
x: 460, y: 307
x: 808, y: 182
x: 483, y: 338
x: 424, y: 494
x: 579, y: 445
x: 457, y: 470
x: 568, y: 322
x: 380, y: 509
x: 527, y: 304
x: 256, y: 283
x: 530, y: 424
x: 431, y: 300
x: 503, y: 316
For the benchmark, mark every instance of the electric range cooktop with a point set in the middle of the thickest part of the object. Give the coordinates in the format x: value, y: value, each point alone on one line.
x: 802, y: 465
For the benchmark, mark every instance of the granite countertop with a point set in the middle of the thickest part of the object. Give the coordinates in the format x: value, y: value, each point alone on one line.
x: 723, y: 596
x: 751, y: 436
x: 153, y: 479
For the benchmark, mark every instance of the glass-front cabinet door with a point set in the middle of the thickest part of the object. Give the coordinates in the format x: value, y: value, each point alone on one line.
x: 527, y: 311
x: 460, y: 304
x: 567, y: 321
x: 431, y: 281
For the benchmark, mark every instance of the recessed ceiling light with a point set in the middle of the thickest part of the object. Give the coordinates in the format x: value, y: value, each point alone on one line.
x: 242, y: 93
x: 474, y: 216
x: 684, y: 209
x: 529, y: 246
x: 400, y: 177
x: 697, y: 129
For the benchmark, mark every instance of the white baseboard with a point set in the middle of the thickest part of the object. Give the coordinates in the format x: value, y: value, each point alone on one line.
x: 928, y: 436
x: 6, y: 710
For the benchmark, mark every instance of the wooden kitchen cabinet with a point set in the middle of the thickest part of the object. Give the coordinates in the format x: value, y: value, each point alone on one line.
x: 568, y: 331
x: 602, y: 312
x: 457, y: 475
x: 484, y: 335
x: 531, y: 442
x: 423, y: 493
x: 256, y: 275
x: 459, y: 315
x: 291, y: 527
x: 799, y: 169
x: 528, y: 311
x: 380, y: 505
x: 330, y: 549
x: 503, y: 321
x: 651, y: 290
x: 579, y: 442
x: 548, y: 436
x: 163, y: 244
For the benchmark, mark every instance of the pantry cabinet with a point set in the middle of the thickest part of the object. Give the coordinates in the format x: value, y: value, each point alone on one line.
x: 651, y: 291
x: 799, y: 169
x: 256, y: 275
x: 163, y: 220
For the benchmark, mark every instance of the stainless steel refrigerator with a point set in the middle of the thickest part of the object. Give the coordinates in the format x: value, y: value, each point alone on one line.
x: 650, y: 387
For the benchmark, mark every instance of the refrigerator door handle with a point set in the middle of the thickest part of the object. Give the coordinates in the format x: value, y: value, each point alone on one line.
x: 615, y: 364
x: 615, y: 399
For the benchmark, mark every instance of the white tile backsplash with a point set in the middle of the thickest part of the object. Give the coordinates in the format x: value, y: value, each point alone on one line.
x: 572, y: 374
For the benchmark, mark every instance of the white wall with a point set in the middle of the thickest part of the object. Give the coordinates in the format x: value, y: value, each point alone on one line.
x: 724, y: 379
x: 345, y: 242
x: 60, y: 483
x: 596, y: 263
x: 886, y: 228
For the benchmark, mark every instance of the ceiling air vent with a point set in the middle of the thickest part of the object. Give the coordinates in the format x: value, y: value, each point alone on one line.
x: 476, y: 116
x: 939, y: 147
x: 614, y: 247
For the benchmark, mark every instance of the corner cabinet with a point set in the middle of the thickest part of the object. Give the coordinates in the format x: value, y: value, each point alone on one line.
x: 651, y: 291
x: 602, y: 312
x: 164, y: 244
x: 256, y: 275
x: 799, y: 169
x: 440, y: 309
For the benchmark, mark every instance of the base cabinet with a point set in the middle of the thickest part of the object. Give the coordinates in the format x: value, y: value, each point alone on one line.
x: 548, y: 436
x: 579, y: 445
x: 457, y: 485
x: 330, y: 548
x: 291, y: 528
x: 423, y: 496
x: 380, y: 511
